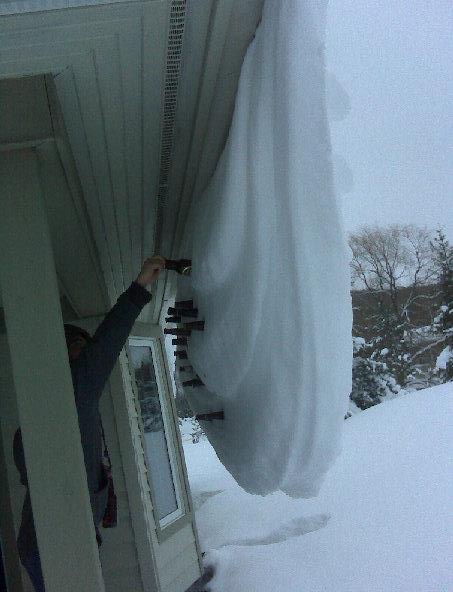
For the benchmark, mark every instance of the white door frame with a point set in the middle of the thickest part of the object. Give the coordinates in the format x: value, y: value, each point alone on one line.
x: 45, y: 398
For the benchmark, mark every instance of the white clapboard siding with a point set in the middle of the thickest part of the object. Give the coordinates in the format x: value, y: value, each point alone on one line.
x: 174, y: 546
x: 176, y: 553
x: 9, y: 422
x: 178, y: 567
x: 190, y: 574
x: 23, y: 6
x: 122, y: 582
x: 135, y: 473
x: 108, y: 73
x: 118, y: 552
x: 124, y: 558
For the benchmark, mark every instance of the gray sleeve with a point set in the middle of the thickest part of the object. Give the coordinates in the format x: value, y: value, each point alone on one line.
x: 96, y: 362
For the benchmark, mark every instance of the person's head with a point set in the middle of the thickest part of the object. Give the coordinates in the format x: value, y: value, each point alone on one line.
x: 76, y: 340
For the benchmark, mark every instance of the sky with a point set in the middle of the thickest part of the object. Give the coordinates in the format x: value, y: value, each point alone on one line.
x: 393, y: 150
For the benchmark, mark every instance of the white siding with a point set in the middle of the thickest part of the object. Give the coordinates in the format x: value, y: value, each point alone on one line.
x: 186, y: 579
x: 42, y: 378
x: 21, y: 6
x: 9, y: 422
x: 118, y: 552
x: 177, y: 561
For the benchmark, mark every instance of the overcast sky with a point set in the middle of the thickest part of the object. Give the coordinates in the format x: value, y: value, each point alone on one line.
x: 394, y: 58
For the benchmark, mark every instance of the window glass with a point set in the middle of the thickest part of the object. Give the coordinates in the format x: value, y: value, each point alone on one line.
x: 157, y: 449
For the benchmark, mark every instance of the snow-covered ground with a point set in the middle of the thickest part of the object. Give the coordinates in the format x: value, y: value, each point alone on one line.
x: 383, y: 521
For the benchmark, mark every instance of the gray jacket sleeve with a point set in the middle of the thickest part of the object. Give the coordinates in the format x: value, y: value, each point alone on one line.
x: 92, y: 368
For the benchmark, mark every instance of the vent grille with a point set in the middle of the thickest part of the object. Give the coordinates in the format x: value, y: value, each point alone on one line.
x: 174, y: 53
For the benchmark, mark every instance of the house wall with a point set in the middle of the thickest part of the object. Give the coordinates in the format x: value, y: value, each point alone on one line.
x: 118, y: 553
x: 172, y: 561
x: 136, y: 556
x: 42, y: 379
x: 172, y: 555
x: 105, y: 80
x: 176, y: 559
x: 12, y: 492
x: 119, y: 558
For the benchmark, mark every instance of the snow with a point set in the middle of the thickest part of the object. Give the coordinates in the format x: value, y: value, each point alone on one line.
x: 382, y: 522
x: 444, y: 357
x: 270, y: 270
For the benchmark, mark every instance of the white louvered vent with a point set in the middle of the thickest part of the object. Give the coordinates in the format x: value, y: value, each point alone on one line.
x: 174, y: 53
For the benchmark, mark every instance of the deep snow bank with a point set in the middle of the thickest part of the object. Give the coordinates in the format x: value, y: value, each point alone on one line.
x: 270, y: 269
x: 382, y: 522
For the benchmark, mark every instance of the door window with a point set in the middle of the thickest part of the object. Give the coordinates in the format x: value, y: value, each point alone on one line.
x: 156, y: 420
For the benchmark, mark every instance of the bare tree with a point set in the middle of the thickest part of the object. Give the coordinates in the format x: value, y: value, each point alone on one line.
x: 392, y: 265
x: 384, y: 260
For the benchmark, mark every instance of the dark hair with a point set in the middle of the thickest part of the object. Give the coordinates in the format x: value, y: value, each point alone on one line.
x: 72, y: 332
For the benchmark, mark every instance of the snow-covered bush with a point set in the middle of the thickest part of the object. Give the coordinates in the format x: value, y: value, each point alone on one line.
x: 443, y: 323
x: 191, y: 430
x: 371, y: 378
x: 444, y: 364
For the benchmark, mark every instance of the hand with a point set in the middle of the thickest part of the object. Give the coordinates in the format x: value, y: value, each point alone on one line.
x: 150, y: 270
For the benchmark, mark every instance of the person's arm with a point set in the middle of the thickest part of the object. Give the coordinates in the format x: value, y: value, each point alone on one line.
x: 19, y: 457
x: 99, y: 356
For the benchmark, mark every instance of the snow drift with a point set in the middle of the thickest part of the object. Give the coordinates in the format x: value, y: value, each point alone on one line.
x: 380, y: 524
x: 270, y: 269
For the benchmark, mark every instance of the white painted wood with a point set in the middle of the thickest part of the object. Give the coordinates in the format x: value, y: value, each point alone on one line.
x: 24, y: 6
x: 85, y: 76
x: 10, y: 497
x: 97, y: 296
x: 189, y: 575
x: 131, y: 89
x: 177, y: 545
x: 122, y: 581
x: 101, y: 50
x: 155, y: 25
x: 121, y: 538
x: 180, y: 566
x: 118, y: 551
x: 19, y: 119
x: 48, y: 416
x: 77, y: 270
x: 129, y: 437
x: 113, y: 101
x: 68, y: 96
x: 9, y: 422
x: 165, y: 525
x: 174, y: 546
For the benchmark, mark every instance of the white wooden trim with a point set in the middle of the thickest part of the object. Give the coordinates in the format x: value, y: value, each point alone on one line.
x: 135, y: 472
x: 48, y: 416
x: 169, y: 431
x: 7, y: 530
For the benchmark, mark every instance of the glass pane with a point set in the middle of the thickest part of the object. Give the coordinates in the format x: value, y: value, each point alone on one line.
x: 153, y: 424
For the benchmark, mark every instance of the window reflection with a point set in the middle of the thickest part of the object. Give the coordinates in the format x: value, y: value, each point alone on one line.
x: 160, y: 469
